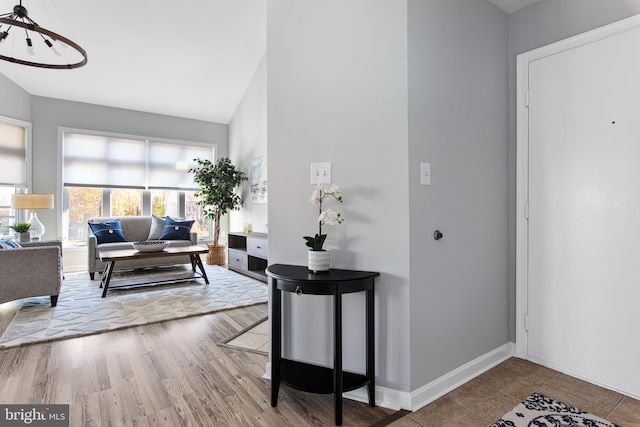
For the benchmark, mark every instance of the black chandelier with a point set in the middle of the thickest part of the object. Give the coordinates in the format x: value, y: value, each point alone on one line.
x: 23, y: 52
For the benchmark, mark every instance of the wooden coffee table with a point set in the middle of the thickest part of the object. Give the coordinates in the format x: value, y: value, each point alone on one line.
x: 111, y: 257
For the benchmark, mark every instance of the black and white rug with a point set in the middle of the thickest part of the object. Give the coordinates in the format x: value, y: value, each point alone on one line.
x: 542, y: 411
x: 82, y: 311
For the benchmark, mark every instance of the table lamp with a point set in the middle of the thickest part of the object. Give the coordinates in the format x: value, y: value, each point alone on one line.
x: 33, y: 202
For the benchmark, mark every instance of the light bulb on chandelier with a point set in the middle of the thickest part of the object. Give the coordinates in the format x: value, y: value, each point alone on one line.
x: 30, y: 50
x: 72, y: 58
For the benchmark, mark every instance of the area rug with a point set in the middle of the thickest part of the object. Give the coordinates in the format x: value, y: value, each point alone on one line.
x: 82, y: 311
x: 542, y: 411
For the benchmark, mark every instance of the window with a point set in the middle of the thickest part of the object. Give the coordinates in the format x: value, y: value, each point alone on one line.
x: 83, y: 203
x: 126, y: 202
x: 13, y: 172
x: 167, y: 202
x: 6, y: 217
x: 13, y: 155
x: 164, y: 202
x: 193, y: 210
x: 108, y: 175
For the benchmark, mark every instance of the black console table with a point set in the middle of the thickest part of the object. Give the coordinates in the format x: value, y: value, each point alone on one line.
x: 305, y: 376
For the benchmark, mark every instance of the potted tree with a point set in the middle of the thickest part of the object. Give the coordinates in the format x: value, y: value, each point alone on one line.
x: 217, y: 197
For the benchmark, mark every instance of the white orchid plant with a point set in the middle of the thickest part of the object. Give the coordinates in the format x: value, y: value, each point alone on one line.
x: 328, y: 217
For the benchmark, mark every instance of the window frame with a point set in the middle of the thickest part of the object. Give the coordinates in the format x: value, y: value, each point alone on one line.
x: 27, y: 126
x: 146, y: 193
x: 28, y: 147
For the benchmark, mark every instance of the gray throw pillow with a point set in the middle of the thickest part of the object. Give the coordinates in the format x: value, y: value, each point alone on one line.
x: 157, y: 225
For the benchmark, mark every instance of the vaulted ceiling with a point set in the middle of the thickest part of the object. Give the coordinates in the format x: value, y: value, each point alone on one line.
x: 186, y: 59
x: 511, y: 6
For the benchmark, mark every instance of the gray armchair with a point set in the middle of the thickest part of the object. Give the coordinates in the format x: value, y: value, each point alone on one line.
x: 30, y: 272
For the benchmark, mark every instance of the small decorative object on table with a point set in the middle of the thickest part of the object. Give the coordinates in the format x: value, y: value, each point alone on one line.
x: 22, y: 231
x: 319, y: 260
x: 150, y: 245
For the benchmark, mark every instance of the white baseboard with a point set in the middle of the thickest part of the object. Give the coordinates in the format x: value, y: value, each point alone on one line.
x: 454, y: 379
x: 396, y: 399
x: 267, y: 371
x: 385, y: 397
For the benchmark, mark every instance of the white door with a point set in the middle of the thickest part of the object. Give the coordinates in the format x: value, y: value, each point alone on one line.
x: 584, y: 211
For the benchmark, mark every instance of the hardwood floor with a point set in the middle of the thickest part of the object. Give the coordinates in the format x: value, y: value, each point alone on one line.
x: 482, y: 401
x: 174, y: 374
x: 165, y: 374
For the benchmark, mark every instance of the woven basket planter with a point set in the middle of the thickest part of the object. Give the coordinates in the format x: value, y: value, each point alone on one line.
x: 217, y: 255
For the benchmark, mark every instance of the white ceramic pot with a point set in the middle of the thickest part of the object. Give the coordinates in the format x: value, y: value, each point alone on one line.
x: 319, y: 261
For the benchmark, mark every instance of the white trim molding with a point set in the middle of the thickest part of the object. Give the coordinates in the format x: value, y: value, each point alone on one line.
x: 454, y: 379
x: 412, y: 401
x: 522, y: 158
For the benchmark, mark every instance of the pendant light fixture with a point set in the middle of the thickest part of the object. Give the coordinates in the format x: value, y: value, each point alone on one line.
x: 27, y: 49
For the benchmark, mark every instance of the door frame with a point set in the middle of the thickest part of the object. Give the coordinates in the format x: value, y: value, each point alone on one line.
x: 522, y: 159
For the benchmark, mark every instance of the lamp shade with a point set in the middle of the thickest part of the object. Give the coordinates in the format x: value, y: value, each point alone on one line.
x: 32, y: 201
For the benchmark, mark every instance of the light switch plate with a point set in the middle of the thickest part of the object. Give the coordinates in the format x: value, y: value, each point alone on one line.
x: 321, y: 173
x: 425, y: 173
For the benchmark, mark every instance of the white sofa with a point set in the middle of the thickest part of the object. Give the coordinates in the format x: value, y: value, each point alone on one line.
x: 135, y: 229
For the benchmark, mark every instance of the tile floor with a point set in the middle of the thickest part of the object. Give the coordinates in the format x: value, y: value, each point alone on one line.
x: 255, y: 338
x: 484, y: 400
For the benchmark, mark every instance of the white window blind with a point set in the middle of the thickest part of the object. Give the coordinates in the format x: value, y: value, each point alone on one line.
x: 13, y: 155
x: 169, y: 165
x: 109, y: 162
x: 101, y: 161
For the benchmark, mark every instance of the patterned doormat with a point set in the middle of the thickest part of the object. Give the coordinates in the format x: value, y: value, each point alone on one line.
x: 541, y: 411
x: 82, y: 311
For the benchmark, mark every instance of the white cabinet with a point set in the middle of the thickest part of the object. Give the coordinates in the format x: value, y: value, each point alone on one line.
x: 248, y: 254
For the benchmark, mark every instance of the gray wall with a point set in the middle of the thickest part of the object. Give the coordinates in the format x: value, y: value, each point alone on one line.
x: 552, y: 20
x: 15, y: 102
x: 458, y: 122
x: 391, y: 84
x: 538, y: 25
x: 337, y: 92
x: 247, y: 141
x: 49, y: 114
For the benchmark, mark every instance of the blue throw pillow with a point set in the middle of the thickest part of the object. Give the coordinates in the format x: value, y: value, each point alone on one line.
x: 108, y: 232
x: 176, y: 230
x: 9, y: 244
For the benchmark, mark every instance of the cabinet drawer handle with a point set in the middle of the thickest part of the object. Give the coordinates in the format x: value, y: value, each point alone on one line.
x: 258, y: 247
x: 298, y: 290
